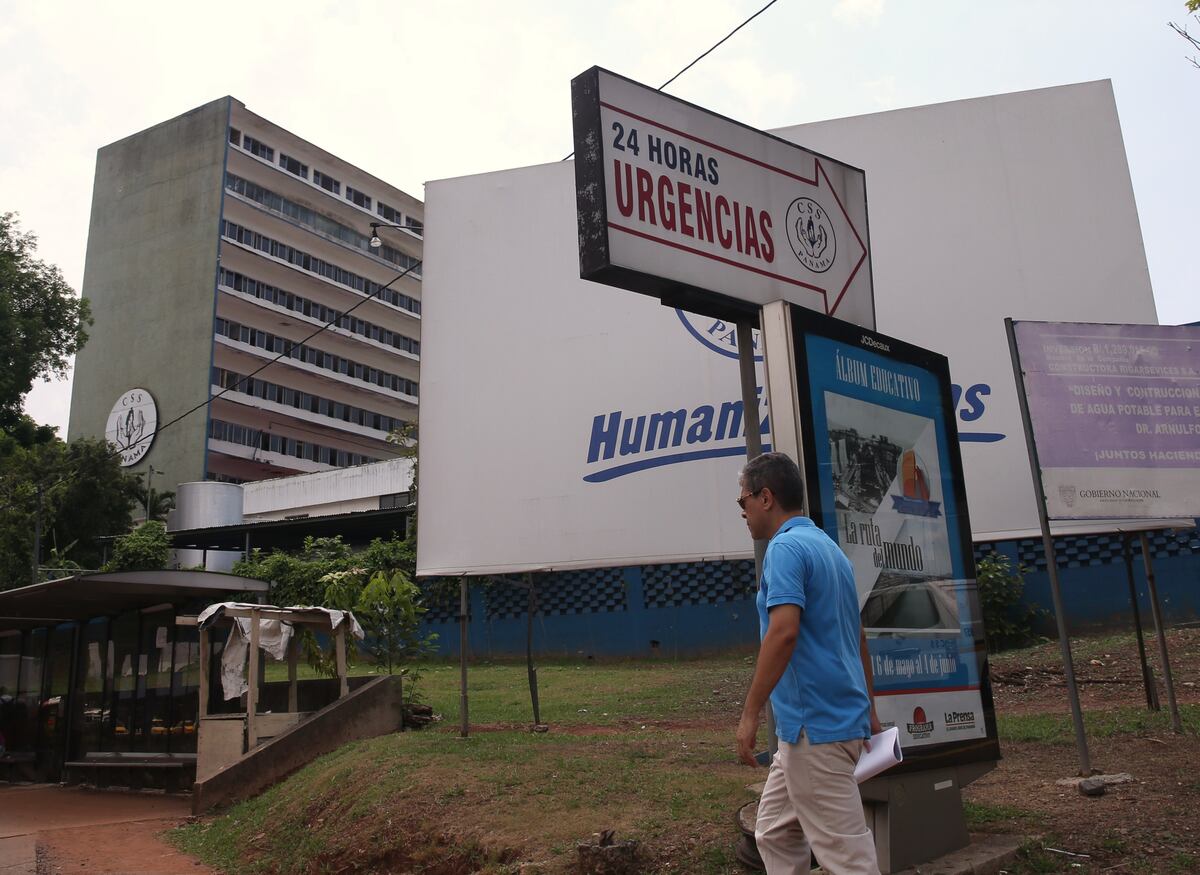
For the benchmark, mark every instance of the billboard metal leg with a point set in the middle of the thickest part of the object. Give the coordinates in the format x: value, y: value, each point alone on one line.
x: 464, y: 607
x: 1156, y: 610
x: 1147, y: 677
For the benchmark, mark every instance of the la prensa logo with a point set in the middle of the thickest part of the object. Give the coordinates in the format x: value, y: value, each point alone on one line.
x: 959, y: 720
x: 921, y: 726
x: 810, y: 231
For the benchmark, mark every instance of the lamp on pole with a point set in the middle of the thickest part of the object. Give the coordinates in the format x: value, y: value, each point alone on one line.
x: 375, y: 242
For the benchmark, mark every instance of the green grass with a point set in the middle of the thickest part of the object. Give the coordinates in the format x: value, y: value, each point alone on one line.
x: 1059, y: 728
x: 644, y: 748
x: 532, y: 797
x: 983, y: 817
x: 574, y: 692
x: 1041, y: 654
x: 591, y: 693
x: 641, y: 747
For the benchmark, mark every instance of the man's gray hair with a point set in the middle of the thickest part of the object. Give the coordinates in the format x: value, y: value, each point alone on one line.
x: 777, y: 472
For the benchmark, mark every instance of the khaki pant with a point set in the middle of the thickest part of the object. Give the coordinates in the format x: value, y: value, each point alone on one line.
x: 811, y: 801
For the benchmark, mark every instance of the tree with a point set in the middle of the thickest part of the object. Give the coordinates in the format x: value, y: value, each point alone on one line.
x: 297, y: 578
x: 73, y: 495
x: 405, y: 437
x: 146, y: 548
x: 159, y: 503
x: 325, y: 572
x: 390, y: 610
x: 1193, y: 6
x: 42, y: 323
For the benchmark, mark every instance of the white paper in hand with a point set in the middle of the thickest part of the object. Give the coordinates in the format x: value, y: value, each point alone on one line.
x: 884, y: 753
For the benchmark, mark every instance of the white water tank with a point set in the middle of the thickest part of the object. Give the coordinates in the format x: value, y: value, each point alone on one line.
x: 206, y: 504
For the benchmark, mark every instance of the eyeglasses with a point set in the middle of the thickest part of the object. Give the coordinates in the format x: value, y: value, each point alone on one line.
x: 741, y: 502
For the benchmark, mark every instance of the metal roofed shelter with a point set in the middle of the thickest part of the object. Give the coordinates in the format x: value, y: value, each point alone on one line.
x: 225, y: 738
x: 96, y: 679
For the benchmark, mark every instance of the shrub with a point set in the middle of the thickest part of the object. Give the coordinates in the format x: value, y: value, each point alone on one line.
x: 1006, y: 619
x: 146, y: 548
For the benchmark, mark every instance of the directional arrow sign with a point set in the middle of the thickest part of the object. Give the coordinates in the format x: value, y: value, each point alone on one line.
x: 710, y: 215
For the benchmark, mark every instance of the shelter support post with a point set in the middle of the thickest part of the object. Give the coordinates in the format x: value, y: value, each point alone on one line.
x: 293, y: 653
x: 463, y: 607
x: 205, y: 655
x: 1085, y: 764
x: 1147, y: 676
x: 252, y: 684
x: 1156, y: 610
x: 339, y: 644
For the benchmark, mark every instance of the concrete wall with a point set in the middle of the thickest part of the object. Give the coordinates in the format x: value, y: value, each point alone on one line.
x: 371, y: 710
x: 689, y: 609
x: 150, y: 275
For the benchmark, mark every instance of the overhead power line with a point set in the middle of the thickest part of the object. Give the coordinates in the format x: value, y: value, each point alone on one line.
x: 710, y: 50
x: 290, y: 345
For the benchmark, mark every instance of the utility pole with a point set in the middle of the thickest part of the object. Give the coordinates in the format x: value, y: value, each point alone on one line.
x: 37, y: 535
x: 149, y: 479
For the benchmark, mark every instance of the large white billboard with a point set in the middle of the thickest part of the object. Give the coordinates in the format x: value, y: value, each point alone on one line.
x: 563, y: 424
x: 1017, y: 205
x: 566, y: 425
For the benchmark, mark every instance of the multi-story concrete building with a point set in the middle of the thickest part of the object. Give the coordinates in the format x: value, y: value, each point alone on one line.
x: 219, y: 240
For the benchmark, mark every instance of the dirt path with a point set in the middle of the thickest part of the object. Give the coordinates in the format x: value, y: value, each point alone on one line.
x: 96, y: 832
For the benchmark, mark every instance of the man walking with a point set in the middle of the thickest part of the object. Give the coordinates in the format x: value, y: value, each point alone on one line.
x: 813, y: 663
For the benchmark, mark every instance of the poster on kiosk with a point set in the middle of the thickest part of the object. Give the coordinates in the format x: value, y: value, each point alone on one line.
x: 884, y: 477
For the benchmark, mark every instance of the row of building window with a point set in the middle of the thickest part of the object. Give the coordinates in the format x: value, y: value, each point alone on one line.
x: 313, y: 356
x: 270, y: 442
x: 296, y: 167
x: 306, y: 261
x: 396, y: 217
x: 290, y: 209
x: 235, y: 382
x: 327, y: 182
x: 296, y: 303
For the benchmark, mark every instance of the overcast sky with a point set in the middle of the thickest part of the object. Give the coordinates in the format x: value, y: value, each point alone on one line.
x: 413, y: 91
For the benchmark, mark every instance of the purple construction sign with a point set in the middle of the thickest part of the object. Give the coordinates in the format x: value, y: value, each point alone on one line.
x: 1115, y: 411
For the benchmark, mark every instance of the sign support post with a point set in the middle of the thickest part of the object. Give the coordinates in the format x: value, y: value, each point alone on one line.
x: 1085, y: 765
x: 1147, y: 677
x: 745, y: 341
x: 1156, y: 610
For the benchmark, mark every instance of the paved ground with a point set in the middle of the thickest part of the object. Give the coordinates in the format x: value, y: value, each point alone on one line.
x: 46, y: 829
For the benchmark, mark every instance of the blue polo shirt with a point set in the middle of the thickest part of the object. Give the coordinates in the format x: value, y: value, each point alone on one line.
x: 823, y: 690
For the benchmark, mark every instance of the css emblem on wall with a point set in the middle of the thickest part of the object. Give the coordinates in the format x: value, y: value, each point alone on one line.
x: 132, y: 423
